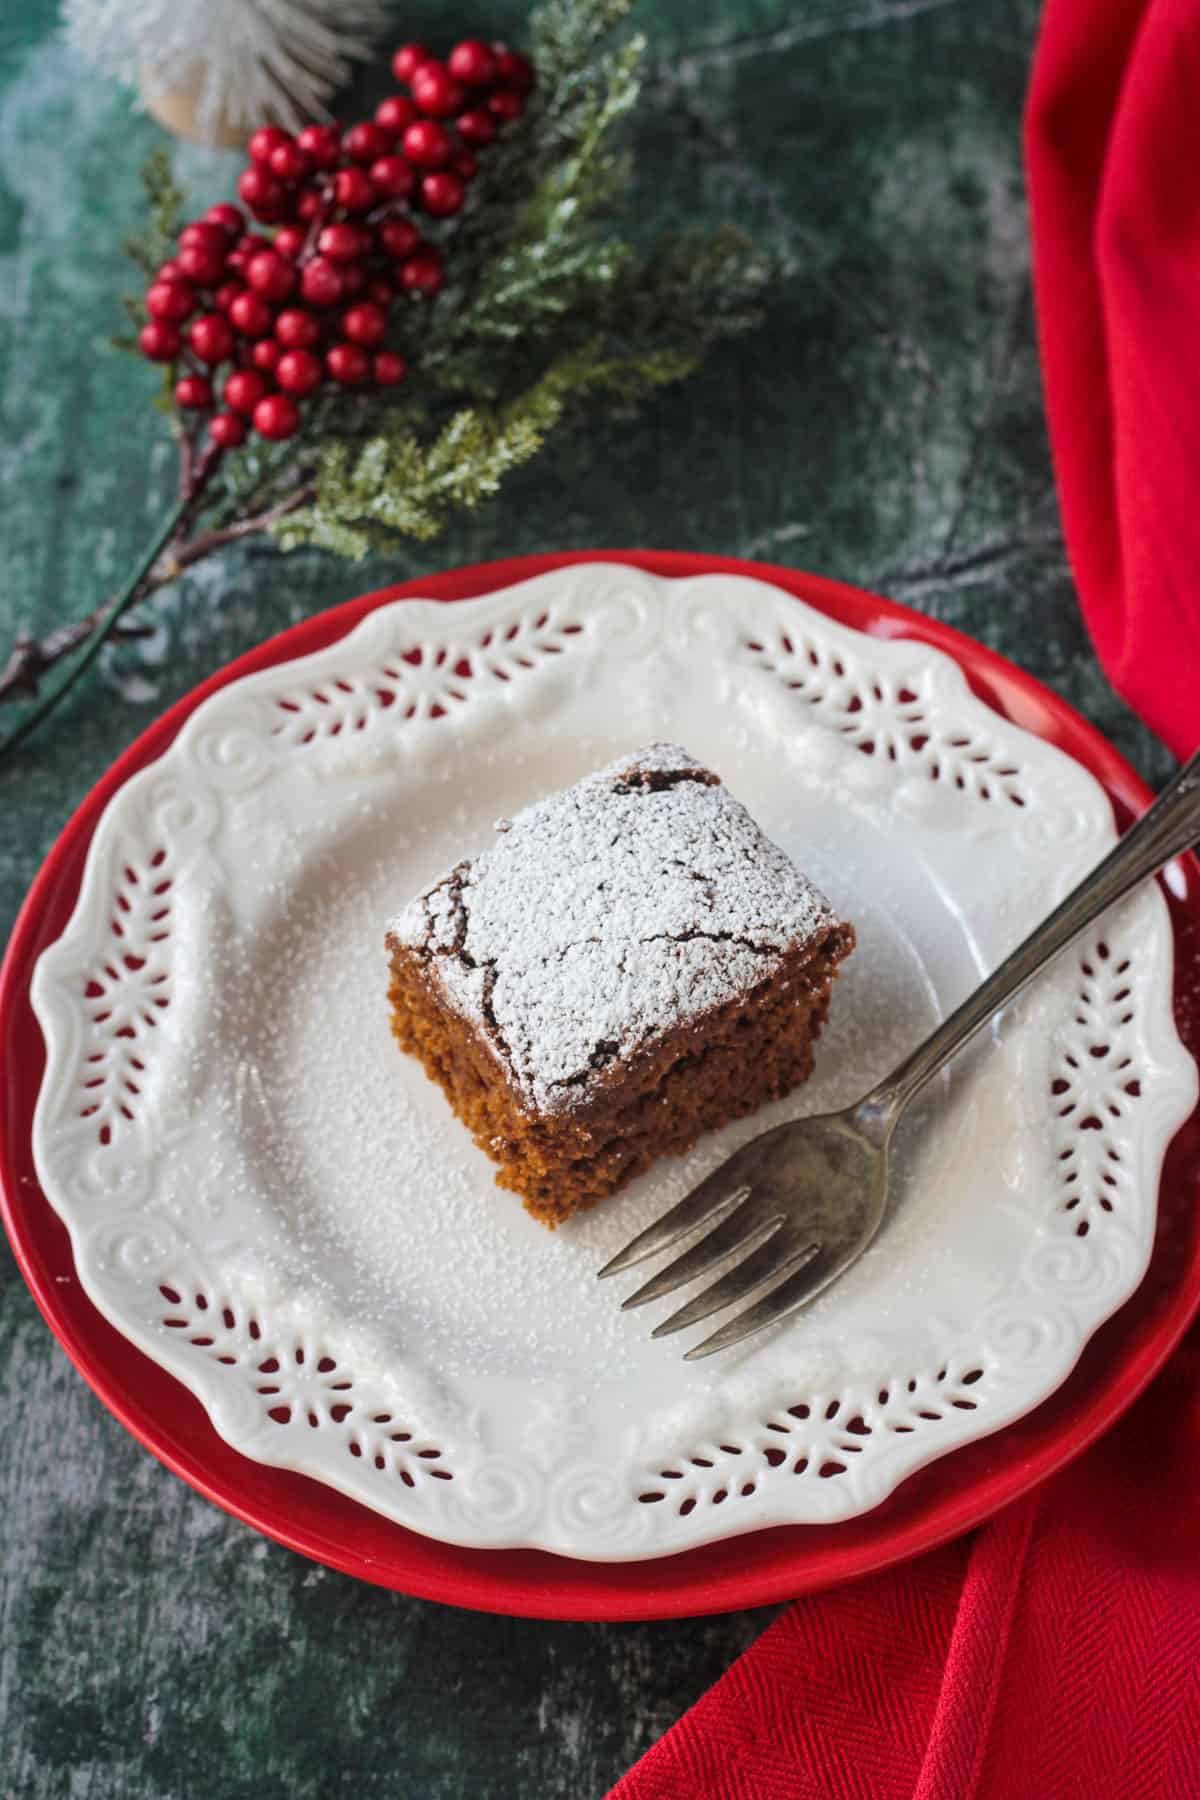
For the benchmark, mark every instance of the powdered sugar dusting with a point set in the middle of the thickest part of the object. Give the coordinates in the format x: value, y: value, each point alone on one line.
x: 608, y: 914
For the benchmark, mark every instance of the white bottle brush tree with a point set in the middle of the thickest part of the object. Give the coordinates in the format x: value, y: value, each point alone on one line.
x: 214, y: 69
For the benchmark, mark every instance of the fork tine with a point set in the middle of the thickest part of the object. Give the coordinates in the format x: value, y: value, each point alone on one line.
x: 745, y: 1228
x: 710, y: 1200
x: 780, y: 1255
x: 786, y: 1298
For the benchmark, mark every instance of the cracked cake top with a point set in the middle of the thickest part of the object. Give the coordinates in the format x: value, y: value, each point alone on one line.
x: 606, y: 915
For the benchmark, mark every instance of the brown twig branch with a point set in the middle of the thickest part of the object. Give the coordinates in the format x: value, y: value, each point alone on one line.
x: 187, y: 463
x: 205, y: 542
x: 31, y: 658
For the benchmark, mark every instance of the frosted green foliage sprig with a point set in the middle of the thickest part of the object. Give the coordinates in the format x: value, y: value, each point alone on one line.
x: 148, y: 248
x: 548, y: 314
x: 400, y: 484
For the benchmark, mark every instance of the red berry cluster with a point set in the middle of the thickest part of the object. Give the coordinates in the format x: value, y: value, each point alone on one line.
x: 310, y: 303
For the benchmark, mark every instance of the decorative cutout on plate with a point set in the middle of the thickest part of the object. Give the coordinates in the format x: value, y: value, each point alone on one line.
x: 887, y: 718
x: 1096, y: 1082
x: 426, y: 678
x: 816, y: 1438
x: 127, y: 990
x: 299, y: 1384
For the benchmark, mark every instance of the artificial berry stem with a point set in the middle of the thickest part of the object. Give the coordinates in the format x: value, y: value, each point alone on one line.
x: 339, y: 205
x: 252, y: 326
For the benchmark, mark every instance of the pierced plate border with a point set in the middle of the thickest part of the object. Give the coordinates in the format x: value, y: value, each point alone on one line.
x: 291, y: 1388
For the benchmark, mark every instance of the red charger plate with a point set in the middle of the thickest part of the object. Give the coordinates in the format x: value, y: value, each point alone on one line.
x: 939, y: 1502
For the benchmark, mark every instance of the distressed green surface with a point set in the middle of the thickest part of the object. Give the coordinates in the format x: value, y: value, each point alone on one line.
x: 885, y: 426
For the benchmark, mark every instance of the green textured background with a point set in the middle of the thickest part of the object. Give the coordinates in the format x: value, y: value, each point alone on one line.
x: 885, y: 426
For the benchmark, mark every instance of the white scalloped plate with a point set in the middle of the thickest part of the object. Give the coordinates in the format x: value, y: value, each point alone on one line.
x: 274, y: 1204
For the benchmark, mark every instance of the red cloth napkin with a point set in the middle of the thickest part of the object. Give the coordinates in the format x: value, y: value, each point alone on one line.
x: 1055, y: 1654
x: 1113, y: 149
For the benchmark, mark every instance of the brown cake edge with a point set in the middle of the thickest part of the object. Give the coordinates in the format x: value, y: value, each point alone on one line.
x: 699, y: 1075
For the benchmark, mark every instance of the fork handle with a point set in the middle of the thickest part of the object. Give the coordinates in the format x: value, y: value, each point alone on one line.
x: 1169, y: 827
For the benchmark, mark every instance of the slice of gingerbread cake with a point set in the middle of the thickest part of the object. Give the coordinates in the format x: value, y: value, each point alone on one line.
x: 630, y: 964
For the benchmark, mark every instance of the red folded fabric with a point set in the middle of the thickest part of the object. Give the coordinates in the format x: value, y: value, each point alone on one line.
x: 1113, y: 149
x: 1055, y: 1654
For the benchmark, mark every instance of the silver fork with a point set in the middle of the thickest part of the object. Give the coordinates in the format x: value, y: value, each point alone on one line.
x: 803, y: 1201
